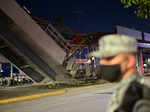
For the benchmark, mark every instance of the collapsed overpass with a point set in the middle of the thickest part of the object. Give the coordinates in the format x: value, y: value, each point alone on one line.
x: 26, y: 45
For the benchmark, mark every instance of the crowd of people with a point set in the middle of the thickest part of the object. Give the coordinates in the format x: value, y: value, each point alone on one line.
x: 12, y: 76
x: 15, y: 81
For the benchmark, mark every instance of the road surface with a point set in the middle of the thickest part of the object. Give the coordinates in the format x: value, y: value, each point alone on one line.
x: 94, y: 99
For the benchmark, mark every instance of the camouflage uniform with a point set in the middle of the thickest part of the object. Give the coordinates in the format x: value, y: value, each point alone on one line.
x: 118, y: 96
x: 131, y: 89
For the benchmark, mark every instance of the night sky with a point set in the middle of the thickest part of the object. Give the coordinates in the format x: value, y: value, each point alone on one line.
x: 90, y: 15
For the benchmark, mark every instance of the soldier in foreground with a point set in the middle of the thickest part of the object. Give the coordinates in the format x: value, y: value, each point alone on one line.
x: 118, y: 63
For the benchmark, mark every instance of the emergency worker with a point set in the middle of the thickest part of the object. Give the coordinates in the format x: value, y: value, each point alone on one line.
x: 118, y: 64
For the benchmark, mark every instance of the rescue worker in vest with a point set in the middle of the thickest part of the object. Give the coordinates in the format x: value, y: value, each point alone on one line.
x: 118, y: 63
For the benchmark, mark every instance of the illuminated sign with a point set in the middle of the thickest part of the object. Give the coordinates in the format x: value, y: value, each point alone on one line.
x: 129, y: 32
x: 143, y: 45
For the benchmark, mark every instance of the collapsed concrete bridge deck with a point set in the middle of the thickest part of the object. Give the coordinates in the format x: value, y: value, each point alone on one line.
x: 26, y: 45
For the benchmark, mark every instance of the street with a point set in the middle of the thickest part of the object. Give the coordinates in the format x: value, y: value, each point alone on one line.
x: 94, y: 99
x: 83, y: 99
